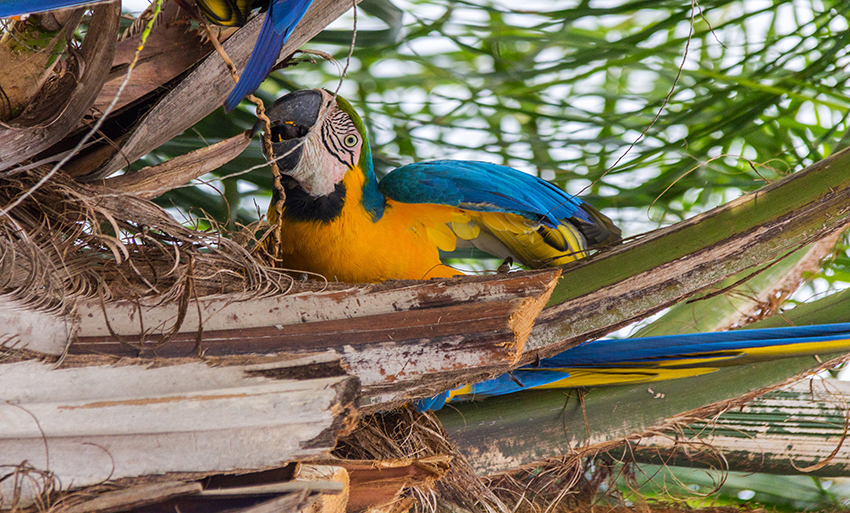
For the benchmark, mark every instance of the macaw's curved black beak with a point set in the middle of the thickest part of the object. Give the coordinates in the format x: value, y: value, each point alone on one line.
x: 292, y: 116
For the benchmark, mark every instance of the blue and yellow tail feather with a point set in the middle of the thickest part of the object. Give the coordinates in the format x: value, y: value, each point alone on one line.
x: 648, y: 359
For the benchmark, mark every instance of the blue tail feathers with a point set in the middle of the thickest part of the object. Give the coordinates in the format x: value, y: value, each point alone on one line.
x: 16, y: 7
x: 282, y: 17
x: 650, y: 354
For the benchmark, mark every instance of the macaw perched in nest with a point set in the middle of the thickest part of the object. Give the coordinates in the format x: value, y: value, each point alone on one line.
x: 282, y: 18
x: 648, y: 359
x: 338, y: 221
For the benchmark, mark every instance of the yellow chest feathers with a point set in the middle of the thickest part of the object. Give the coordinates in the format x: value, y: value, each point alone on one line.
x: 352, y: 247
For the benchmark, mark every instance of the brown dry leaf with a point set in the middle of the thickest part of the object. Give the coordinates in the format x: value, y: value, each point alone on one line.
x: 59, y: 108
x: 153, y: 181
x: 171, y: 49
x: 30, y: 47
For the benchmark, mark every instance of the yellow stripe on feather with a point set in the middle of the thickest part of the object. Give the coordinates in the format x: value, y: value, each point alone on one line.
x: 602, y: 377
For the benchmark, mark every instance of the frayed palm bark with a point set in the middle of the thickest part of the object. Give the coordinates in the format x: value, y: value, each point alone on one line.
x: 407, y: 433
x: 66, y: 100
x: 68, y: 241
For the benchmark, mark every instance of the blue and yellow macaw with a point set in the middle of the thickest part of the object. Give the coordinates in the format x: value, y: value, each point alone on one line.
x: 281, y: 19
x: 338, y: 221
x: 648, y: 359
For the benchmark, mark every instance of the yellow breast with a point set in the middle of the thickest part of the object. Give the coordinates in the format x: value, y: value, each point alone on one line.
x: 402, y: 244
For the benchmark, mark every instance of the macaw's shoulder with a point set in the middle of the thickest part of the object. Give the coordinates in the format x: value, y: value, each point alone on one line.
x: 480, y: 186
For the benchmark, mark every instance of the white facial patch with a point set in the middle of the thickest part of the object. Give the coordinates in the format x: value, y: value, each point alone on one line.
x: 318, y: 170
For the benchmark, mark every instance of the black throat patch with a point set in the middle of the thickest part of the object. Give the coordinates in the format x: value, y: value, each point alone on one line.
x: 300, y: 206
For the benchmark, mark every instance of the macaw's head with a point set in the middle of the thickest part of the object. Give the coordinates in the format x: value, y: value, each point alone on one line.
x: 318, y: 138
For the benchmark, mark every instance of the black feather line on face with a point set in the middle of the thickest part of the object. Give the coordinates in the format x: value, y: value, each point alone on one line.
x: 334, y: 129
x: 300, y: 206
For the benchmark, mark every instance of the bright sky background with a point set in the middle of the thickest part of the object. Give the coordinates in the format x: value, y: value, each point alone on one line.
x: 134, y: 6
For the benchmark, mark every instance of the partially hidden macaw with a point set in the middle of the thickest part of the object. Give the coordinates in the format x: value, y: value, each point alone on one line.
x: 648, y: 359
x: 281, y: 19
x: 340, y: 222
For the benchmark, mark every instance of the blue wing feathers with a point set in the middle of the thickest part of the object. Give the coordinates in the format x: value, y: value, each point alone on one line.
x: 482, y: 186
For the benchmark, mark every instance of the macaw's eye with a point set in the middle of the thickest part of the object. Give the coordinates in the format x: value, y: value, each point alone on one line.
x: 350, y: 140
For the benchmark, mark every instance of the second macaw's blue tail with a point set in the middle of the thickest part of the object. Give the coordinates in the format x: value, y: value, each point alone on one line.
x: 646, y: 359
x: 16, y: 7
x: 281, y: 19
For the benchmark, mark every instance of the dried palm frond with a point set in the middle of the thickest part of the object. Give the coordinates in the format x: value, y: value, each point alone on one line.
x: 406, y: 433
x: 67, y: 240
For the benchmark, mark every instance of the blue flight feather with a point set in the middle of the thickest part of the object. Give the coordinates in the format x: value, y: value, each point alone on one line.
x: 432, y: 403
x: 281, y: 19
x: 515, y: 381
x: 640, y: 353
x: 16, y: 7
x: 482, y: 186
x: 614, y: 351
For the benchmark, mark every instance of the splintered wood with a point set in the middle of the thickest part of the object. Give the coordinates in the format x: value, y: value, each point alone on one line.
x: 86, y: 425
x: 402, y: 340
x: 280, y: 381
